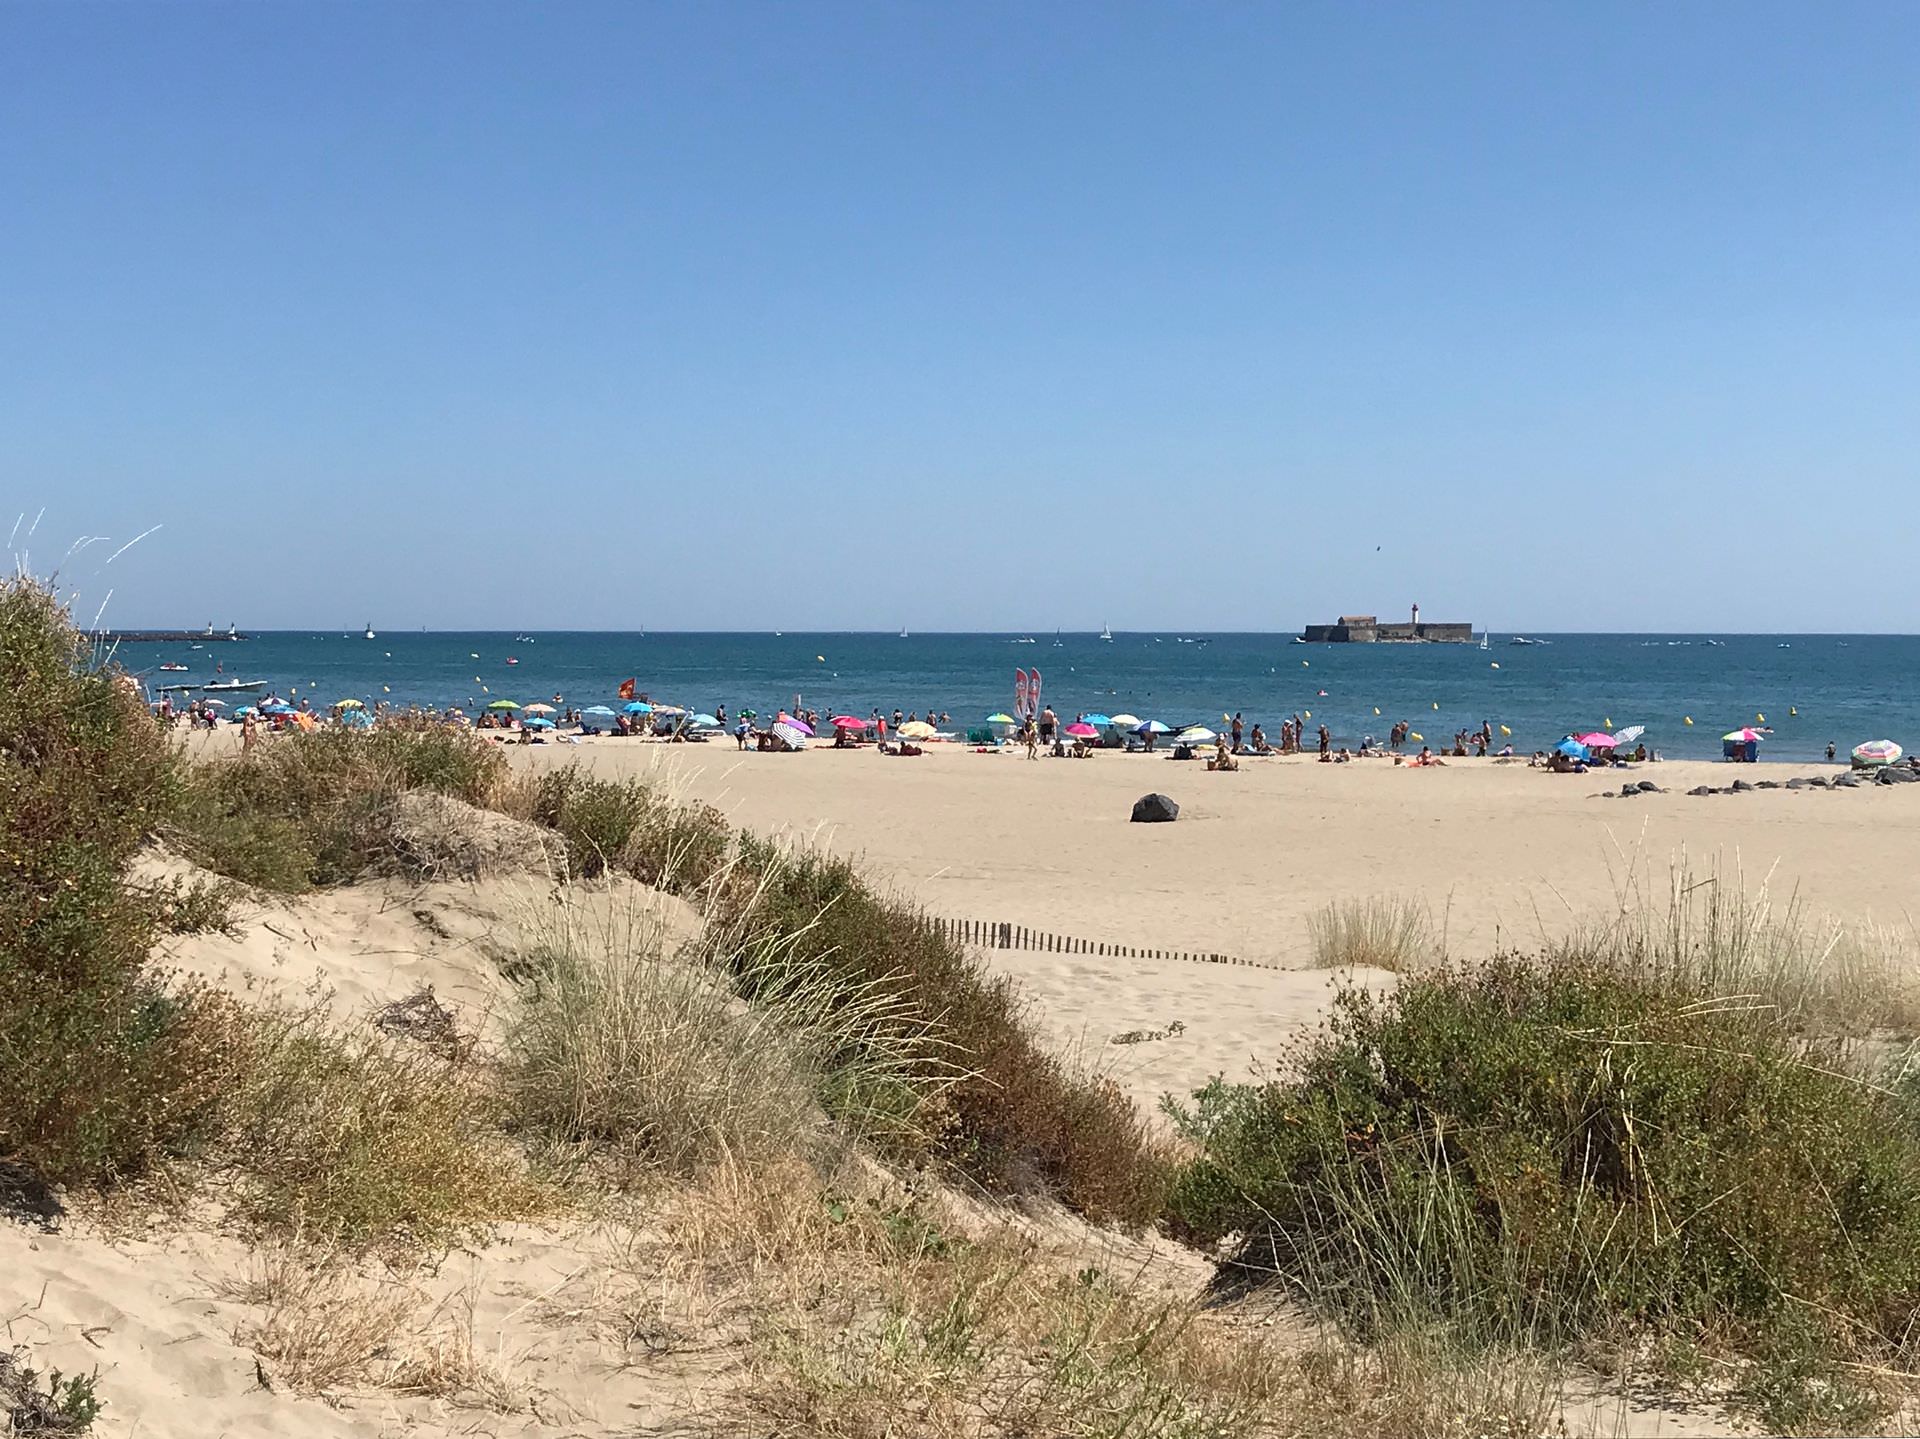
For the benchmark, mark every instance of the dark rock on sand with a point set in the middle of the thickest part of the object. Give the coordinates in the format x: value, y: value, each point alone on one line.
x: 1796, y: 784
x: 1843, y: 781
x: 1899, y: 774
x: 1739, y: 786
x: 1154, y: 809
x: 1647, y: 786
x: 1768, y: 784
x: 1703, y: 789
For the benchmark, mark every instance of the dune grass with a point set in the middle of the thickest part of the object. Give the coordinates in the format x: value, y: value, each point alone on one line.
x: 631, y: 1045
x: 1391, y: 932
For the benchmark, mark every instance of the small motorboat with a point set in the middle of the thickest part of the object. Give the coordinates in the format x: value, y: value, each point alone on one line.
x: 233, y: 686
x: 174, y: 669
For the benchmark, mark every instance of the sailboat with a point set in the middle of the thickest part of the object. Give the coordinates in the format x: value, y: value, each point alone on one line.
x: 370, y: 629
x: 1057, y: 642
x: 903, y: 632
x: 1485, y: 639
x: 1106, y: 632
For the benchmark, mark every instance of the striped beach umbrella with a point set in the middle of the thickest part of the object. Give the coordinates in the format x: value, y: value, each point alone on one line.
x: 1876, y: 751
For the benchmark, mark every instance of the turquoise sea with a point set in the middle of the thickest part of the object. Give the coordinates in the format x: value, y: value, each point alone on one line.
x: 1811, y: 688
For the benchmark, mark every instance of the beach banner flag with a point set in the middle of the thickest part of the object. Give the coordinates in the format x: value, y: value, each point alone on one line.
x: 1020, y: 693
x: 626, y: 688
x: 1033, y: 693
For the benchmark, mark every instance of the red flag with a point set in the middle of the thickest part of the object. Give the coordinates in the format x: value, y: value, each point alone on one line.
x: 626, y: 688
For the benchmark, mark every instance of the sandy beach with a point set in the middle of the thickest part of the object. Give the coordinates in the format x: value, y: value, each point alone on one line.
x: 1502, y: 853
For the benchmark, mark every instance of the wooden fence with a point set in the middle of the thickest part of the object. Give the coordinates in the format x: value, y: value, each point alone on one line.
x: 1000, y: 934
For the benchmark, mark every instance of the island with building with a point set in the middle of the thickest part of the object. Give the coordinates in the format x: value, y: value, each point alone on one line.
x: 1368, y: 630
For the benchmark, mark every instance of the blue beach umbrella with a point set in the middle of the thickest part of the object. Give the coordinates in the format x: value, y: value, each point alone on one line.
x: 1097, y: 721
x: 637, y: 707
x: 600, y: 710
x: 706, y: 720
x: 1572, y: 747
x: 538, y: 723
x: 1151, y: 727
x: 276, y: 708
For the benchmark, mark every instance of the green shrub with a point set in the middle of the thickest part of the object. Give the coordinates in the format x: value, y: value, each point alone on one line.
x: 67, y: 1405
x: 1555, y: 1151
x: 625, y: 825
x: 1009, y: 1114
x: 198, y: 906
x: 316, y: 808
x: 101, y: 1070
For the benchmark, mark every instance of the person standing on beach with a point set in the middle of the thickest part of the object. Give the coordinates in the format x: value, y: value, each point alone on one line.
x: 1048, y: 722
x: 249, y: 734
x: 1236, y: 732
x: 1326, y: 740
x: 1030, y: 732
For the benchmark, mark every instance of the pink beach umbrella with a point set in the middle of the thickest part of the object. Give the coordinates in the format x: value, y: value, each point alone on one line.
x: 1597, y: 740
x: 1080, y: 730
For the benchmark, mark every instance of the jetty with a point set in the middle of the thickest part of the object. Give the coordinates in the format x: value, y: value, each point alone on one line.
x: 1369, y: 630
x: 164, y: 637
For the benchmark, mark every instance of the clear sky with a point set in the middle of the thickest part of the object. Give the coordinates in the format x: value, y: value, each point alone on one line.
x: 965, y: 316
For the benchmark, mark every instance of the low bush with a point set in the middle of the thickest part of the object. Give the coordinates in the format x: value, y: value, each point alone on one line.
x: 1016, y: 1118
x: 62, y: 1404
x: 102, y: 1070
x: 311, y: 809
x: 198, y: 906
x: 1554, y: 1151
x: 627, y: 825
x: 354, y: 1139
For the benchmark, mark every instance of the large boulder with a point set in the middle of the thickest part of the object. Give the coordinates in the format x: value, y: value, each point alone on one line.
x: 1155, y: 809
x: 1899, y: 774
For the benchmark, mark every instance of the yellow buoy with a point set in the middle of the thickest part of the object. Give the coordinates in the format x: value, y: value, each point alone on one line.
x: 1304, y: 665
x: 1608, y: 724
x: 1793, y: 710
x: 821, y: 658
x: 1411, y: 735
x: 1689, y: 719
x: 386, y: 689
x: 1309, y: 714
x: 1495, y: 663
x: 1505, y: 731
x: 1436, y: 704
x: 1759, y: 718
x: 1376, y: 709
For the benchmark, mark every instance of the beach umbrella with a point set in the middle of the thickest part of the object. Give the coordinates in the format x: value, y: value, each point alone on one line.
x: 1748, y: 735
x: 849, y: 722
x: 789, y: 735
x: 637, y: 707
x: 599, y: 712
x: 276, y: 707
x: 1151, y: 727
x: 1002, y: 718
x: 1097, y: 721
x: 1198, y: 734
x: 1081, y: 730
x: 1125, y: 721
x: 1876, y: 751
x: 799, y: 724
x: 245, y: 710
x: 1631, y: 733
x: 356, y: 719
x: 669, y: 710
x: 214, y: 704
x: 539, y: 709
x: 539, y: 722
x: 917, y: 729
x: 348, y: 705
x: 1569, y: 746
x: 1598, y: 740
x: 502, y: 705
x: 706, y: 721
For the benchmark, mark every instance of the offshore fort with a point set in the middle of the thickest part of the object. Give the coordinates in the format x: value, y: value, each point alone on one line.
x: 1367, y: 630
x: 143, y: 637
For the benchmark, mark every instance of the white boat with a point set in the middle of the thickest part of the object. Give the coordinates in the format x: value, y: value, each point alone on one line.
x: 1106, y: 632
x: 903, y: 632
x: 234, y: 686
x: 1523, y: 640
x: 1485, y: 641
x: 370, y: 634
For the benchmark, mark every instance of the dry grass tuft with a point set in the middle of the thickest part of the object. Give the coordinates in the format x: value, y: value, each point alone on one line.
x: 322, y: 1325
x: 1390, y: 932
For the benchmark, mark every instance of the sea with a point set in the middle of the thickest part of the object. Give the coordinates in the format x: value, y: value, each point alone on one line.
x: 1688, y: 690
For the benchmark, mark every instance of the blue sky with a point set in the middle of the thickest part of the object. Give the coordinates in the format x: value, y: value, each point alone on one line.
x: 974, y: 316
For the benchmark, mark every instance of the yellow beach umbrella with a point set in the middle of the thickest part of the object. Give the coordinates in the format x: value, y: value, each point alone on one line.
x: 348, y: 705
